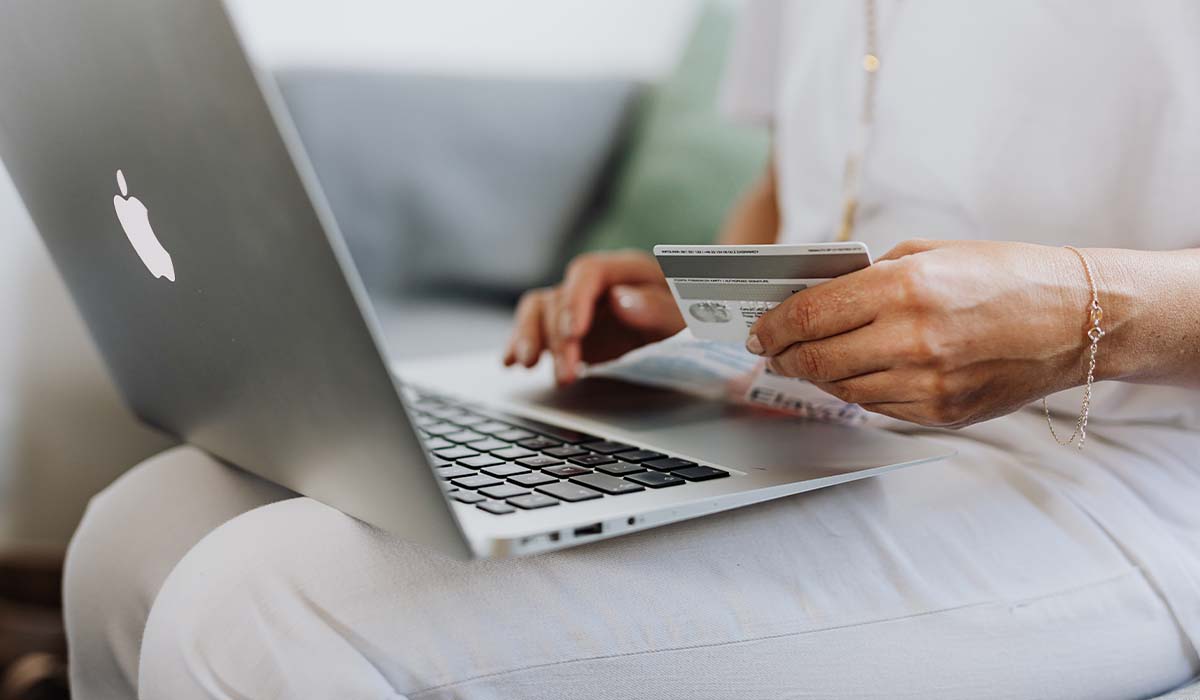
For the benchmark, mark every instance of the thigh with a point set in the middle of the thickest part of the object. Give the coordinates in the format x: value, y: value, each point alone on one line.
x: 975, y: 576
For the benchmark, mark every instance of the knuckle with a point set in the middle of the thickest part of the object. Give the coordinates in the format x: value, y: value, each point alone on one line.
x: 914, y: 283
x: 803, y: 318
x: 810, y: 361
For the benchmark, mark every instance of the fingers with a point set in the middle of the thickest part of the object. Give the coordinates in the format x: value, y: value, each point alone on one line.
x: 872, y: 348
x: 837, y: 306
x: 891, y: 386
x: 589, y: 276
x: 528, y: 341
x: 650, y: 309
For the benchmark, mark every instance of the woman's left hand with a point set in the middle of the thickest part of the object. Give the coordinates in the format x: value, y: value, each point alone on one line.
x: 938, y: 333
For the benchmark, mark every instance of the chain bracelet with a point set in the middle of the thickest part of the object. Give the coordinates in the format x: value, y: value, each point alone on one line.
x: 1094, y: 333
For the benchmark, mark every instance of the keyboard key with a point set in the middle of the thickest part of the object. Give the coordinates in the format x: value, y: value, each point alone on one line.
x: 669, y: 464
x: 489, y: 445
x: 513, y: 453
x: 505, y: 470
x: 468, y: 420
x: 538, y: 462
x: 491, y: 427
x: 567, y: 470
x: 700, y: 473
x: 620, y: 468
x: 496, y: 508
x: 591, y: 460
x: 555, y: 432
x: 655, y: 480
x: 504, y: 491
x: 532, y: 479
x: 569, y: 492
x: 464, y: 436
x: 539, y: 443
x: 459, y: 452
x: 424, y: 420
x: 514, y: 435
x: 437, y: 444
x: 565, y: 451
x: 441, y: 428
x: 607, y: 447
x: 639, y: 456
x: 454, y: 472
x: 606, y: 483
x: 533, y: 500
x: 480, y: 461
x: 467, y: 497
x: 479, y: 481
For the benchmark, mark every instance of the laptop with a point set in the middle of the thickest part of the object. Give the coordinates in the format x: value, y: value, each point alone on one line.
x: 173, y: 194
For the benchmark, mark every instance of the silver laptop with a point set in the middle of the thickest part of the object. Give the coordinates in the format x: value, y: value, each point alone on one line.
x: 170, y: 188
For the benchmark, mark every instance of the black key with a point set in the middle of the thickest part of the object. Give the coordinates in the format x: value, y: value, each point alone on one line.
x: 441, y: 428
x: 505, y: 470
x: 553, y: 431
x: 533, y: 500
x: 514, y: 453
x: 569, y: 492
x: 467, y: 497
x: 489, y: 445
x: 607, y: 484
x: 620, y: 468
x: 496, y: 508
x: 532, y: 479
x: 700, y: 473
x: 454, y: 472
x: 478, y: 481
x: 437, y: 444
x: 655, y: 480
x: 565, y: 451
x: 607, y: 447
x: 491, y: 427
x: 480, y: 461
x: 639, y: 456
x: 539, y: 443
x: 504, y: 491
x: 455, y: 452
x: 567, y: 470
x: 669, y: 464
x: 514, y: 435
x: 591, y: 460
x: 538, y: 462
x: 464, y: 436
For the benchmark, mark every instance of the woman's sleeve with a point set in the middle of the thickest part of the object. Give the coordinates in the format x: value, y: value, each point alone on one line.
x: 750, y: 84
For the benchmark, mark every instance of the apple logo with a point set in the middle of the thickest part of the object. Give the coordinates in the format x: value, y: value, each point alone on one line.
x: 136, y: 221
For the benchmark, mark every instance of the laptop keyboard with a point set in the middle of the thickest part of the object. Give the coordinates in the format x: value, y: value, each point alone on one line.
x: 502, y: 464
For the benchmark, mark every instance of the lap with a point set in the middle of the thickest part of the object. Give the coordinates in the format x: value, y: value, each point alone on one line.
x: 976, y: 575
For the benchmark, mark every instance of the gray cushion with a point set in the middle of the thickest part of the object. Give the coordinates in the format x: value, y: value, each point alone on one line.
x: 452, y: 180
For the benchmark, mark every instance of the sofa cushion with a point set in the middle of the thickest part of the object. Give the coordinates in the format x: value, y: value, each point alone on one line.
x: 688, y: 163
x: 456, y: 181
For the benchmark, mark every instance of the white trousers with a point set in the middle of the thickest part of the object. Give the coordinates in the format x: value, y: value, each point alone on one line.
x: 1016, y: 569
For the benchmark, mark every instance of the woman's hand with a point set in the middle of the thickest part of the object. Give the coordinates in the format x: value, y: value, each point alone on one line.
x: 607, y: 305
x: 938, y: 333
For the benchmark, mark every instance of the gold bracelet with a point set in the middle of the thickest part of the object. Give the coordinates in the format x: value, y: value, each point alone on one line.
x: 1094, y: 334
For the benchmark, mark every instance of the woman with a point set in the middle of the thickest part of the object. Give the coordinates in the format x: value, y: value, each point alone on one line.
x: 1018, y: 568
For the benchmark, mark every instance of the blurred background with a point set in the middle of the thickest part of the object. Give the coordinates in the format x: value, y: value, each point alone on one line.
x: 468, y: 149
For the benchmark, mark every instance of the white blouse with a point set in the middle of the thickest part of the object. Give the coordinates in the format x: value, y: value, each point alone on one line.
x: 1057, y: 122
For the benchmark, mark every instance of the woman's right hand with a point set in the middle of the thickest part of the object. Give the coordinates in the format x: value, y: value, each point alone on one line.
x: 606, y: 305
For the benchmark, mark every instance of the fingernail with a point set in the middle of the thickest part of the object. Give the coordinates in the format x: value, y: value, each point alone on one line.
x: 754, y: 345
x: 628, y: 299
x: 523, y: 351
x: 566, y: 325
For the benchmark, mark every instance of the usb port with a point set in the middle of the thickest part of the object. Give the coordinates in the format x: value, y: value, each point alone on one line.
x: 593, y: 529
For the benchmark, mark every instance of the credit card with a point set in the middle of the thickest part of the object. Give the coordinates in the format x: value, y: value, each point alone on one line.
x: 721, y: 290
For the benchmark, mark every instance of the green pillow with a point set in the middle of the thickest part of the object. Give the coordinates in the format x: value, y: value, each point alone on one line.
x: 687, y: 164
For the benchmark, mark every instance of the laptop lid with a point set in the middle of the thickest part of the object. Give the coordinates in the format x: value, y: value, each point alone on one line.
x: 180, y: 211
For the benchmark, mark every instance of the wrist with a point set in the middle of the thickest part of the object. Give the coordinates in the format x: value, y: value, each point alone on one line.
x: 1120, y: 355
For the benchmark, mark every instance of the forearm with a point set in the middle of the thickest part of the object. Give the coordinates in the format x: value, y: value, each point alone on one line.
x: 754, y: 219
x: 1151, y: 302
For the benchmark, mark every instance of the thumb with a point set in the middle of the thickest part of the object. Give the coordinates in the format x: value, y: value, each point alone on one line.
x: 646, y: 308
